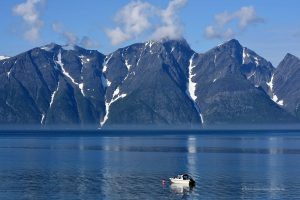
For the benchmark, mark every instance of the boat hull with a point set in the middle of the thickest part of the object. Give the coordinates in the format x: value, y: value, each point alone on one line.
x: 178, y: 181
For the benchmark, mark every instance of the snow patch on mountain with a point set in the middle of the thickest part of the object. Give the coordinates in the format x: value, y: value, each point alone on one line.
x: 116, y: 97
x: 201, y: 118
x: 8, y: 73
x: 138, y: 62
x: 105, y: 82
x: 106, y: 61
x: 10, y: 70
x: 81, y: 87
x: 116, y: 92
x: 127, y: 65
x: 53, y: 95
x: 256, y: 60
x: 248, y: 57
x: 59, y: 61
x: 84, y: 60
x: 4, y: 57
x: 150, y: 44
x: 270, y: 84
x: 245, y: 55
x: 42, y: 119
x: 191, y: 86
x: 61, y: 64
x: 251, y: 75
x: 273, y: 95
x: 104, y: 68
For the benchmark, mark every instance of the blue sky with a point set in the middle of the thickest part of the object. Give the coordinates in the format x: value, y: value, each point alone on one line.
x: 269, y: 27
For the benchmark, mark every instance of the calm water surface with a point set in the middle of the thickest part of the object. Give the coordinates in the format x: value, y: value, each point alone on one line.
x: 225, y: 166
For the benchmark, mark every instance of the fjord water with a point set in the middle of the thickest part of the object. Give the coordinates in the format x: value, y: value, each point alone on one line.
x: 227, y: 165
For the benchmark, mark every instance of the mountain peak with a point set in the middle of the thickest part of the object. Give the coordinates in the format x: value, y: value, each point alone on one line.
x: 289, y: 56
x: 166, y: 41
x: 50, y: 47
x: 232, y: 43
x: 163, y: 40
x: 289, y: 62
x: 71, y: 47
x: 232, y: 48
x: 53, y: 47
x: 180, y: 42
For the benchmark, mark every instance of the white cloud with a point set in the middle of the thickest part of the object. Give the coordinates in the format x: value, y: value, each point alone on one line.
x: 247, y: 16
x: 117, y: 36
x: 133, y: 20
x: 171, y: 27
x: 244, y: 17
x: 32, y: 34
x: 216, y: 32
x: 138, y: 17
x: 72, y: 38
x: 88, y: 43
x: 135, y: 17
x: 31, y: 17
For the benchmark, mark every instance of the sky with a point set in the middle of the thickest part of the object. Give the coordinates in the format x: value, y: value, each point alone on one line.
x: 269, y: 27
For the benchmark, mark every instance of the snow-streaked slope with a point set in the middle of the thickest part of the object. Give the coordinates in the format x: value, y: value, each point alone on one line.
x: 191, y: 84
x: 42, y: 118
x: 53, y: 95
x: 191, y: 87
x: 61, y: 64
x: 273, y: 95
x: 116, y: 97
x: 4, y: 57
x: 251, y: 57
x: 105, y: 82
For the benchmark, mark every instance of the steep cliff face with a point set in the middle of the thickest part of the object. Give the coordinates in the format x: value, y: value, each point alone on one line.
x: 285, y: 84
x: 147, y: 84
x: 231, y: 87
x: 52, y: 85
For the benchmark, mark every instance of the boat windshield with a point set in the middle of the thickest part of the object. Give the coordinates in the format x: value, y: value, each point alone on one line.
x: 185, y: 177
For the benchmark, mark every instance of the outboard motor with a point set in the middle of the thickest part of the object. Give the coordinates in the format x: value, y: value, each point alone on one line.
x: 192, y: 182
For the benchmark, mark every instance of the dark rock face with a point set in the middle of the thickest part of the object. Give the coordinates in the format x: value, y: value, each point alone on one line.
x: 286, y: 84
x: 52, y: 85
x: 148, y: 85
x: 153, y: 83
x: 225, y: 92
x: 256, y: 69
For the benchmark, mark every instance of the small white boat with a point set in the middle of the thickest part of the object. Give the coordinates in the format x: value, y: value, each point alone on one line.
x: 183, y: 179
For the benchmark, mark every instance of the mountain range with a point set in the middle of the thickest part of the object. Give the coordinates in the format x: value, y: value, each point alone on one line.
x: 148, y: 84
